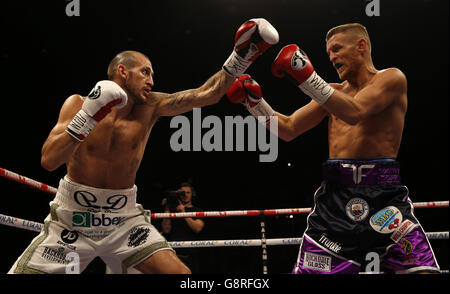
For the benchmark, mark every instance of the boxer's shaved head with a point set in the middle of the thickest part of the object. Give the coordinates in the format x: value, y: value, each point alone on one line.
x: 354, y: 31
x: 127, y: 58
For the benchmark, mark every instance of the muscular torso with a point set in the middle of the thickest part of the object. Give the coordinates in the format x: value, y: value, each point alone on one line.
x: 374, y: 137
x: 110, y: 156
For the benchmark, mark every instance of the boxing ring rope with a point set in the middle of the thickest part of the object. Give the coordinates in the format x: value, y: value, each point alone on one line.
x: 35, y: 226
x: 27, y: 181
x: 263, y: 242
x: 201, y: 214
x: 267, y: 212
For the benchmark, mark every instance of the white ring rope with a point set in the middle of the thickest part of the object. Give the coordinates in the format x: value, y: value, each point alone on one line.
x: 35, y: 226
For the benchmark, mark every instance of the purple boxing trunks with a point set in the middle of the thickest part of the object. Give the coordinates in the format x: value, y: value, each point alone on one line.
x: 362, y: 220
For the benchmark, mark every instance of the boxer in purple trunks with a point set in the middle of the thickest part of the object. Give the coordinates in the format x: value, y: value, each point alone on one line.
x: 361, y: 209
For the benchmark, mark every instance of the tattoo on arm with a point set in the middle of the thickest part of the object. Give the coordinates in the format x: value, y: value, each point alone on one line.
x: 214, y: 87
x: 184, y: 97
x: 219, y: 84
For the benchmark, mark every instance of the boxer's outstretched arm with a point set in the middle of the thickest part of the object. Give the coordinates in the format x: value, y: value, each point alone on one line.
x: 252, y: 39
x: 209, y: 93
x: 247, y: 91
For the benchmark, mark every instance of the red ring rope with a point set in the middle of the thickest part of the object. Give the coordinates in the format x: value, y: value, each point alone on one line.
x: 43, y: 187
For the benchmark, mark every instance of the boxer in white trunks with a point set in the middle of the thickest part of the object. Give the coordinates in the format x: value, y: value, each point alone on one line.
x: 101, y: 139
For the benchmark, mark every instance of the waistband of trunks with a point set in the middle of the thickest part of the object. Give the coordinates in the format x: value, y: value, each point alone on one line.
x: 73, y: 195
x: 362, y: 172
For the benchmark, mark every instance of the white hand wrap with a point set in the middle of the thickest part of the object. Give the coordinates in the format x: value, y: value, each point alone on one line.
x: 81, y: 125
x: 316, y: 88
x: 261, y: 109
x: 236, y: 65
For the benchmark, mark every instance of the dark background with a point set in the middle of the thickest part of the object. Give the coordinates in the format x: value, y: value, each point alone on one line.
x: 45, y: 56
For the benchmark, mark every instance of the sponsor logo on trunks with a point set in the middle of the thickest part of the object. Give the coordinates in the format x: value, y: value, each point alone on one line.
x: 138, y: 236
x: 407, y: 247
x: 317, y: 262
x: 357, y: 209
x: 87, y: 219
x: 402, y: 230
x: 358, y: 172
x: 331, y: 245
x: 53, y: 255
x: 88, y: 200
x: 386, y: 220
x: 69, y: 237
x: 65, y: 245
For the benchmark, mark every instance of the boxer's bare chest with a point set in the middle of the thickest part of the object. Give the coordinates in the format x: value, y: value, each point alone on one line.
x: 118, y: 136
x: 111, y: 154
x: 376, y: 136
x: 112, y: 138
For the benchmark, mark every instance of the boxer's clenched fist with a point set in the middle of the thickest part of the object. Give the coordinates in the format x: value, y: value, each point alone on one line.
x: 292, y: 62
x: 252, y: 38
x: 104, y: 96
x: 247, y: 91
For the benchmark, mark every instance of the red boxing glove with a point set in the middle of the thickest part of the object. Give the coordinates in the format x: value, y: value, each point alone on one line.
x: 252, y: 38
x: 293, y: 63
x: 247, y: 91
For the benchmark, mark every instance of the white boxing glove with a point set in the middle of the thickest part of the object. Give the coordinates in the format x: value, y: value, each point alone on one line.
x: 105, y: 95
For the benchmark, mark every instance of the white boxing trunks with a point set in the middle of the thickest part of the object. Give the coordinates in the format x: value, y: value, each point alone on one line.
x: 87, y: 222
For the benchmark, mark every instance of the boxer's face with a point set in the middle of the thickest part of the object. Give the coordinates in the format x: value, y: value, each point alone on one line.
x: 140, y: 79
x: 343, y: 53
